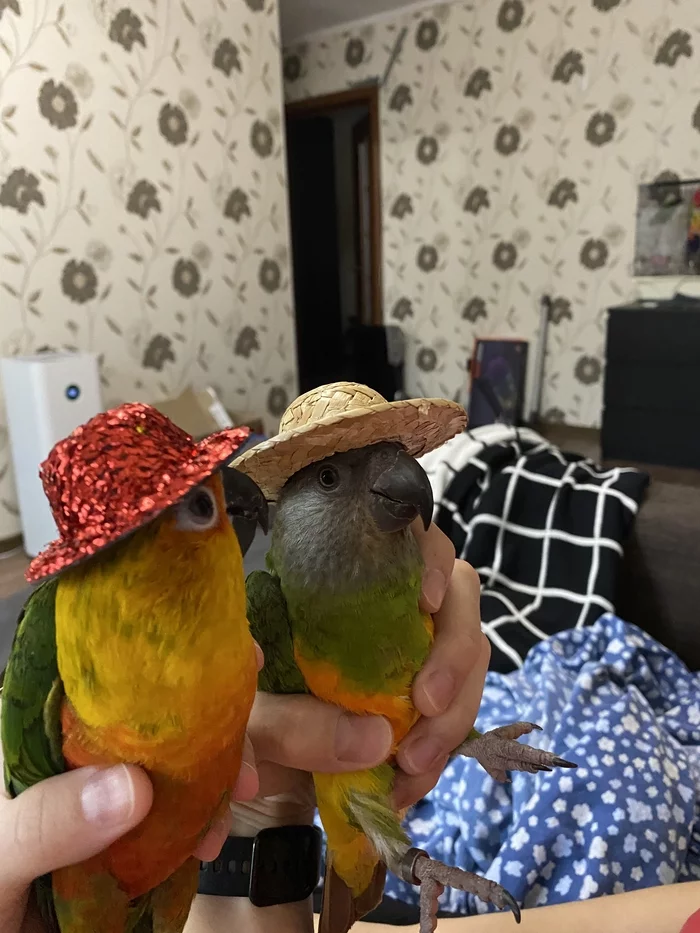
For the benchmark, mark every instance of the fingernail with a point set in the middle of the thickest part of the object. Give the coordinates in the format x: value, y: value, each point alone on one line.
x: 108, y: 797
x: 363, y: 740
x: 259, y: 657
x: 422, y: 755
x: 434, y: 588
x: 439, y: 690
x: 248, y: 783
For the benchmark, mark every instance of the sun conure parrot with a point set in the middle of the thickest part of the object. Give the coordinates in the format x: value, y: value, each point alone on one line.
x: 337, y: 616
x: 138, y: 653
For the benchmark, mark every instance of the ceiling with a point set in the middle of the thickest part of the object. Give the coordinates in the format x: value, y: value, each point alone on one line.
x: 301, y: 17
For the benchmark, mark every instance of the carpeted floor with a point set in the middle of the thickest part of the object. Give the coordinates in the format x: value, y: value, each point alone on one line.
x: 10, y: 608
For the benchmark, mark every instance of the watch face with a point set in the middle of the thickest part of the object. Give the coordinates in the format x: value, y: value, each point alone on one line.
x: 285, y: 865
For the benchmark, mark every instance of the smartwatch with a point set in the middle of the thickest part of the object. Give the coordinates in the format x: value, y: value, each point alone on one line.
x: 278, y: 866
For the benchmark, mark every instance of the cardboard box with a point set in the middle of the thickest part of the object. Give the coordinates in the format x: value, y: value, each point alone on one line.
x: 198, y: 413
x: 203, y: 413
x: 253, y: 422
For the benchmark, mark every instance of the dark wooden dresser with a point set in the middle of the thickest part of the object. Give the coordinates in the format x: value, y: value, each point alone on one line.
x: 651, y: 406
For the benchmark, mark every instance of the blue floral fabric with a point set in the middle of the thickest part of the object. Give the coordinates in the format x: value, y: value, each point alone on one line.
x: 627, y: 711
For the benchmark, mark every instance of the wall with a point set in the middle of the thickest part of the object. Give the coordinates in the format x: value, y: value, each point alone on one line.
x: 514, y: 134
x: 142, y: 198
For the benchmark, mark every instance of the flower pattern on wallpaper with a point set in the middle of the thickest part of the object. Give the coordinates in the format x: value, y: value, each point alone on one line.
x: 142, y: 198
x: 514, y: 135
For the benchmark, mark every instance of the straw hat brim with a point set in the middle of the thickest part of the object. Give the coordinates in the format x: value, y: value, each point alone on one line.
x: 209, y: 456
x: 419, y: 425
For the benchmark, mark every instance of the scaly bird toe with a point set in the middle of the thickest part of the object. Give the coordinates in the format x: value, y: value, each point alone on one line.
x: 433, y: 877
x: 430, y: 891
x: 498, y: 752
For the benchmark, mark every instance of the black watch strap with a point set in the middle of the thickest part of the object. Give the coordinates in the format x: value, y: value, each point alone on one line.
x: 278, y: 866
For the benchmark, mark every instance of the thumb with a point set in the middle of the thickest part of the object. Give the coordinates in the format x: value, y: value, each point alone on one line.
x: 67, y: 819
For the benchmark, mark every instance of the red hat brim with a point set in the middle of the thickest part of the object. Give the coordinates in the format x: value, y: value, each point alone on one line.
x: 210, y: 455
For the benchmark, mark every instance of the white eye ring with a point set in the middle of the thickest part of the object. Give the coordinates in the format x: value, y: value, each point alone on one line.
x: 197, y: 511
x: 328, y: 477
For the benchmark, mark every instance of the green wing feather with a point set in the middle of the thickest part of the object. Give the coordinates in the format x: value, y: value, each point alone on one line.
x: 270, y: 625
x: 30, y: 727
x: 31, y: 697
x: 30, y: 724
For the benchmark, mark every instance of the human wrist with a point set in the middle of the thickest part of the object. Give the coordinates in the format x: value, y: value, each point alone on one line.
x: 276, y: 840
x: 282, y: 918
x: 250, y: 818
x: 215, y: 914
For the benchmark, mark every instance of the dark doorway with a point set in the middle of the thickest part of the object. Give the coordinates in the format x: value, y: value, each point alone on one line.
x: 334, y: 195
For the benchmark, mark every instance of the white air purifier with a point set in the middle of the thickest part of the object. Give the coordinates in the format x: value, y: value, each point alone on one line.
x: 46, y: 397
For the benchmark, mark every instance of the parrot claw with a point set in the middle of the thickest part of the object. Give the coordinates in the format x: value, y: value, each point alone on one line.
x: 433, y: 877
x: 498, y: 752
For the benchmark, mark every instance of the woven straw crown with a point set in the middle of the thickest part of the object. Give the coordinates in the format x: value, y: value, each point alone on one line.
x: 329, y: 400
x: 346, y: 416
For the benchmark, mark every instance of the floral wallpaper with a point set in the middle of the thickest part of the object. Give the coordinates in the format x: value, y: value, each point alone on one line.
x: 514, y: 135
x: 142, y: 198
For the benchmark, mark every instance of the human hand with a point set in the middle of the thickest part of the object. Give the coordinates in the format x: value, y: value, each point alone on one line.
x: 72, y: 817
x: 60, y: 822
x: 295, y: 735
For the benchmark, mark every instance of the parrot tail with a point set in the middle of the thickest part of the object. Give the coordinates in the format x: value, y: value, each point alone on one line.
x: 341, y: 909
x: 352, y: 806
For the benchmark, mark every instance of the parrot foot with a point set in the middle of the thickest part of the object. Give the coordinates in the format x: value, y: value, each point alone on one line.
x: 418, y: 868
x: 498, y: 752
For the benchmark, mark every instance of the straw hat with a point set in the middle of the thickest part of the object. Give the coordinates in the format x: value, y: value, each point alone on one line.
x: 116, y: 473
x: 345, y: 416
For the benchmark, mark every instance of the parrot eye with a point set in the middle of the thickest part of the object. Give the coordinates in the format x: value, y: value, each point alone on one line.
x: 197, y: 512
x: 328, y: 477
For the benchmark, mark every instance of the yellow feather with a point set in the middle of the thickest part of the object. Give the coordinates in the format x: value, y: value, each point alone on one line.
x: 154, y: 648
x: 353, y: 856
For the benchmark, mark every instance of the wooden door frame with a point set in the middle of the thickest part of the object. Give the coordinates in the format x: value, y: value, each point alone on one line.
x: 318, y: 106
x: 362, y: 133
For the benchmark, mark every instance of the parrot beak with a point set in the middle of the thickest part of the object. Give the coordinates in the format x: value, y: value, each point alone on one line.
x: 400, y: 494
x: 246, y: 506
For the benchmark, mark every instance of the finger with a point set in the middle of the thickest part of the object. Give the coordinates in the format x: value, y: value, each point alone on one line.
x: 248, y: 783
x: 431, y: 740
x: 246, y: 788
x: 409, y: 789
x: 457, y: 643
x: 276, y: 779
x: 304, y: 733
x: 13, y: 910
x: 439, y: 557
x: 209, y: 849
x: 259, y: 656
x: 68, y: 819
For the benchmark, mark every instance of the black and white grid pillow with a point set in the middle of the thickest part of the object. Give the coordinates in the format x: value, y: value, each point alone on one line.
x: 544, y: 529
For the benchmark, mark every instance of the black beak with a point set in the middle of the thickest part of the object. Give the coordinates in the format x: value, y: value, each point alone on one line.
x: 246, y: 506
x: 400, y: 494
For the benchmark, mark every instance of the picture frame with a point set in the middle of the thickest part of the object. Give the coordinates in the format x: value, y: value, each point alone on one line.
x: 498, y: 372
x: 668, y: 228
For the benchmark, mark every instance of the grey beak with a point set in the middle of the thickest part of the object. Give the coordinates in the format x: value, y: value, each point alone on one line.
x: 402, y: 493
x: 246, y: 506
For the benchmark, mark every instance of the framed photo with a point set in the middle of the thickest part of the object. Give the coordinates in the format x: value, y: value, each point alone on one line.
x: 668, y: 228
x: 498, y: 370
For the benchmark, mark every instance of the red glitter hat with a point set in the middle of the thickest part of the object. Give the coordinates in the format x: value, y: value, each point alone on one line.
x: 118, y: 472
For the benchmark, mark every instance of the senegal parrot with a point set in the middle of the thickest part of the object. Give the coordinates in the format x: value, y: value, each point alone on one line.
x: 337, y: 616
x: 140, y: 654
